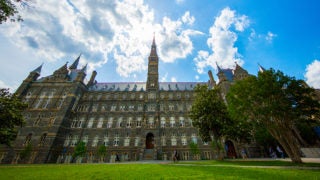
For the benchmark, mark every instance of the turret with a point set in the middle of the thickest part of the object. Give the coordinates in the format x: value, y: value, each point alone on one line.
x: 212, y: 82
x: 74, y: 65
x: 82, y: 74
x: 92, y: 79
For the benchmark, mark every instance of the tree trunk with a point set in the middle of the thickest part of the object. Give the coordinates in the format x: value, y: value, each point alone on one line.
x: 288, y: 141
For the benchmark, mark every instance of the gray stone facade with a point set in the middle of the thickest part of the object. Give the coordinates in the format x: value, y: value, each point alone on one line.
x: 134, y: 120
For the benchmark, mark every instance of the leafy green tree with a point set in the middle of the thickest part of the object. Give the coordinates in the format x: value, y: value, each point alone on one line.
x: 102, y: 152
x: 80, y: 150
x: 8, y: 10
x: 277, y: 102
x: 194, y: 149
x: 209, y: 113
x: 11, y: 108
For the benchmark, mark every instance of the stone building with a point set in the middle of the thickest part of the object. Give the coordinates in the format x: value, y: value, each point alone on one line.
x: 134, y: 120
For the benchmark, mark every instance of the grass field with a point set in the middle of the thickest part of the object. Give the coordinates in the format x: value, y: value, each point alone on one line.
x: 183, y: 170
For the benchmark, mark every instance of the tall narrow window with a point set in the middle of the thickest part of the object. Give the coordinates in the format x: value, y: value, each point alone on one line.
x: 129, y: 122
x: 194, y: 138
x: 183, y: 139
x: 163, y: 122
x: 172, y: 122
x: 43, y: 139
x: 85, y: 139
x: 110, y: 121
x: 100, y: 123
x: 95, y: 141
x: 67, y: 140
x: 137, y: 141
x: 181, y: 119
x: 106, y: 140
x: 151, y: 122
x: 119, y: 123
x: 90, y: 123
x: 139, y: 119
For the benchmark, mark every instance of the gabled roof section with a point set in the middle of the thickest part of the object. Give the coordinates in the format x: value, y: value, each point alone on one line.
x: 178, y: 86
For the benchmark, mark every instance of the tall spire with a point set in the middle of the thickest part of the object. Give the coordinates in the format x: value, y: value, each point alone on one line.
x: 84, y: 69
x: 153, y: 52
x: 218, y: 67
x: 74, y: 65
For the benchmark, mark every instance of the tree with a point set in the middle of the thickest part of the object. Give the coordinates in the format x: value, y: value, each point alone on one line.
x: 102, y: 152
x: 277, y: 102
x: 209, y: 113
x: 194, y: 149
x: 11, y: 108
x: 80, y: 150
x: 8, y: 10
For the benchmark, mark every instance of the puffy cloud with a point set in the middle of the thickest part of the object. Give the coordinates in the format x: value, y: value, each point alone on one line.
x: 270, y: 36
x: 173, y: 79
x: 103, y: 31
x: 222, y: 41
x: 312, y: 74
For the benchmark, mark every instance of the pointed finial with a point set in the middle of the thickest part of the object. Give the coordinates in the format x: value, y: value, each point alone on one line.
x: 219, y: 69
x: 261, y: 69
x: 38, y: 69
x: 154, y: 41
x: 75, y: 63
x: 84, y: 69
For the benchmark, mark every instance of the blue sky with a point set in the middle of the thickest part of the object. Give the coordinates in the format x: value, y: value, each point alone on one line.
x: 114, y: 38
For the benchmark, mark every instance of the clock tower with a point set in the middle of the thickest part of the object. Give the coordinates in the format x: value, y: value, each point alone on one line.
x: 153, y: 75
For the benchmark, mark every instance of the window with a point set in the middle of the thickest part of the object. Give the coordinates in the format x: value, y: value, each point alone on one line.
x: 194, y: 138
x: 181, y: 119
x: 183, y: 139
x: 139, y: 119
x: 163, y: 141
x: 110, y: 121
x: 173, y: 140
x: 140, y: 107
x: 103, y: 108
x: 122, y: 107
x: 129, y: 122
x: 106, y: 140
x: 43, y: 139
x: 113, y: 108
x: 85, y: 139
x: 51, y: 120
x: 28, y: 139
x: 171, y: 107
x: 74, y: 140
x: 95, y: 141
x: 100, y: 123
x: 67, y: 141
x: 116, y: 140
x: 131, y: 107
x: 74, y: 123
x: 94, y: 108
x: 119, y: 123
x: 137, y: 141
x: 162, y: 107
x: 172, y: 122
x: 90, y: 123
x: 151, y: 121
x: 141, y: 96
x: 81, y: 122
x: 151, y: 107
x: 37, y: 121
x: 127, y: 141
x: 151, y: 95
x: 163, y: 122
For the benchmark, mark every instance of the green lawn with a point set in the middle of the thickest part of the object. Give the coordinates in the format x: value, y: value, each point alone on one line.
x: 183, y: 170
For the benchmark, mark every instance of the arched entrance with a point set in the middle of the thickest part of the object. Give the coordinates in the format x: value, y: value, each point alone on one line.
x: 150, y: 141
x: 229, y: 147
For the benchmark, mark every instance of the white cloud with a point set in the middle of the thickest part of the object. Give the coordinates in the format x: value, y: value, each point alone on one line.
x: 312, y: 74
x: 270, y: 36
x: 173, y: 79
x: 164, y: 78
x: 4, y: 85
x: 103, y: 31
x: 222, y: 41
x: 197, y: 77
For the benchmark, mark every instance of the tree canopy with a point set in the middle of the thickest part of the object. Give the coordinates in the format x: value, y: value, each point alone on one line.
x: 8, y: 10
x: 11, y: 108
x: 80, y: 150
x: 209, y: 113
x: 277, y: 102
